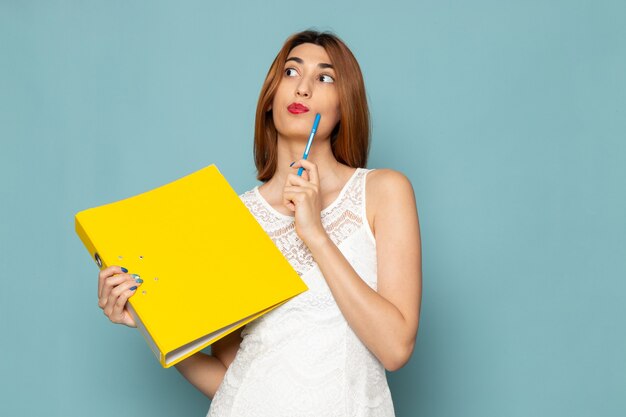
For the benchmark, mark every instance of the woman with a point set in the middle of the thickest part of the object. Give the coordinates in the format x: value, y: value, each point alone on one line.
x: 355, y: 243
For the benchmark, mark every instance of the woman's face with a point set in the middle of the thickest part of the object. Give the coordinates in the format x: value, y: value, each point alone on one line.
x: 307, y: 87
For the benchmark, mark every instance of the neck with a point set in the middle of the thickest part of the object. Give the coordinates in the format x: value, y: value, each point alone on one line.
x: 292, y: 149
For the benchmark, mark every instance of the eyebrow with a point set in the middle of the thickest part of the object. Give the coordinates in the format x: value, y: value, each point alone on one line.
x: 300, y: 61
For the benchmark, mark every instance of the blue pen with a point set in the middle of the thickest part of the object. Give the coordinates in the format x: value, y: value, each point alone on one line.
x: 308, y: 145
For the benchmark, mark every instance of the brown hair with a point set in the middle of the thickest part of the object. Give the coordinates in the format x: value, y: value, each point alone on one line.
x: 351, y: 136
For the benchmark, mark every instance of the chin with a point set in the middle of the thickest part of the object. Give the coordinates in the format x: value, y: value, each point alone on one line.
x: 299, y: 129
x: 299, y: 136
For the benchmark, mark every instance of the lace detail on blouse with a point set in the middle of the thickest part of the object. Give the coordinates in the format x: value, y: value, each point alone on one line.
x: 340, y: 220
x: 302, y: 358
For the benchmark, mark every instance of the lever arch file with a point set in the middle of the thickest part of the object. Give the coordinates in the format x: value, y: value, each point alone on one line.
x: 208, y: 266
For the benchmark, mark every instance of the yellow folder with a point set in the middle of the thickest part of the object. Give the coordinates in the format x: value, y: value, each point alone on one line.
x: 208, y: 266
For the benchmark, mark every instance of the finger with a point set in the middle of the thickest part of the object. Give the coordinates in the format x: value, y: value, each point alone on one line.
x: 287, y: 194
x: 294, y: 179
x: 304, y: 175
x: 310, y: 168
x: 118, y: 313
x: 121, y: 291
x: 110, y: 284
x: 107, y: 272
x: 292, y: 198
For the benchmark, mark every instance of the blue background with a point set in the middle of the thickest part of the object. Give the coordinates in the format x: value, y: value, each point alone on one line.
x: 509, y: 118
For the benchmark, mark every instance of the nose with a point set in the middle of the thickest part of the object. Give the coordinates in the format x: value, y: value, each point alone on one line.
x: 303, y: 89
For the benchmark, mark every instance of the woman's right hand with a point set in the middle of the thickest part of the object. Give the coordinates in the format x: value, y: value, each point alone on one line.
x: 114, y: 289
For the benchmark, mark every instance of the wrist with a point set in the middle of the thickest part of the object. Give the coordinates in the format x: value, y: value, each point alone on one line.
x: 318, y: 241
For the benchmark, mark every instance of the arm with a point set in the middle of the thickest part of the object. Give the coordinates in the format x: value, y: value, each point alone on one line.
x: 385, y: 320
x: 206, y: 372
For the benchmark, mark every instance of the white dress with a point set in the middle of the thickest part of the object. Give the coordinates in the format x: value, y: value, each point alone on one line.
x: 302, y: 358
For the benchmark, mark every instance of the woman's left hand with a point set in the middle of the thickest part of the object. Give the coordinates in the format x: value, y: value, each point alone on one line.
x: 302, y: 195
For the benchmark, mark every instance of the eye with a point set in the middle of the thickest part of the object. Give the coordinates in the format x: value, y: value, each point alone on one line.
x: 291, y: 72
x: 327, y: 78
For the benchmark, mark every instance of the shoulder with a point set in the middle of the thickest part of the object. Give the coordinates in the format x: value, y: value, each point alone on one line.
x: 385, y: 182
x: 391, y: 206
x: 246, y: 195
x: 389, y: 192
x: 247, y: 198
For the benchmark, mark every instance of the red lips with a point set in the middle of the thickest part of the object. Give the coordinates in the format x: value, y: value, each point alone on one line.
x: 297, y: 108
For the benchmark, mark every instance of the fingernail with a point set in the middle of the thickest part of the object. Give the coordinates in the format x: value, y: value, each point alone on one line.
x: 124, y: 270
x: 292, y: 163
x: 133, y: 288
x: 138, y: 280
